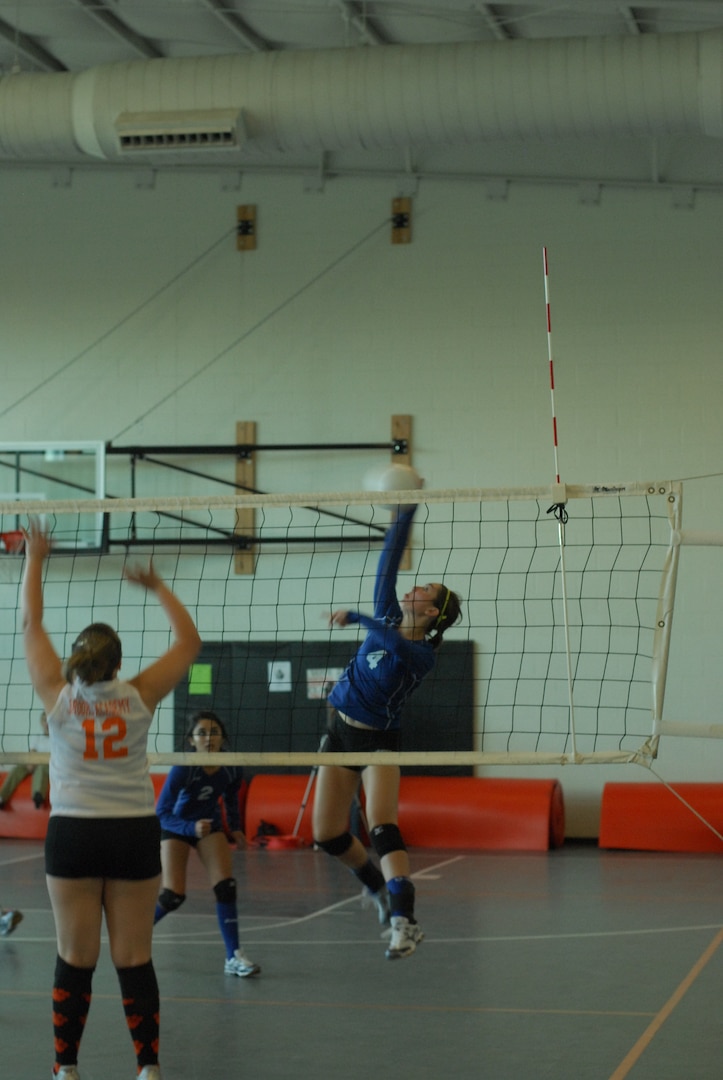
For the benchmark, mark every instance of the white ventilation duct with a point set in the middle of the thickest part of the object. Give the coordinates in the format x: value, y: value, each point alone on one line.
x: 376, y: 98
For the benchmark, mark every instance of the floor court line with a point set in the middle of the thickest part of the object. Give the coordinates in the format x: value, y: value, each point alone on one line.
x: 429, y: 939
x: 356, y: 899
x: 437, y: 866
x: 355, y: 1006
x: 201, y: 937
x: 583, y: 934
x: 22, y: 859
x: 316, y: 914
x: 251, y: 937
x: 652, y: 1029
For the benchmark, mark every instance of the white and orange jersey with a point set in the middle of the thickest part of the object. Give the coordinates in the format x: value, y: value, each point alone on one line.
x: 98, y: 752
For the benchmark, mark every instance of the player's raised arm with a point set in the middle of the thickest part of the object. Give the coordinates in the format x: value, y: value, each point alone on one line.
x: 157, y: 680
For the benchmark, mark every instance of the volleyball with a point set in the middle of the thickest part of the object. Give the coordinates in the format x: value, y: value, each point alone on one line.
x: 393, y: 478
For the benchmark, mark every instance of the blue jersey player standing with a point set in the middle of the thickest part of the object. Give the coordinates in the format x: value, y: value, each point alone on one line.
x: 397, y: 652
x: 190, y: 813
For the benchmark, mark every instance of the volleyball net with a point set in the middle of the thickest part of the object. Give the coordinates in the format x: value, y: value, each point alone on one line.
x: 561, y: 655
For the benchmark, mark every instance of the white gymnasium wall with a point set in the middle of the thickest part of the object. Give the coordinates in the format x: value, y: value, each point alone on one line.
x: 328, y: 329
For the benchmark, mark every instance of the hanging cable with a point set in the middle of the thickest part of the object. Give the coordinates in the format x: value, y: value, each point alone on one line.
x: 252, y: 329
x: 122, y: 322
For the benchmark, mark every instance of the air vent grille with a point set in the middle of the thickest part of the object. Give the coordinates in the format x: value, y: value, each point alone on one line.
x: 217, y: 129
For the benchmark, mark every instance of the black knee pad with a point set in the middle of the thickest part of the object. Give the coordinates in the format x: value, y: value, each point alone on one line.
x: 225, y: 891
x: 386, y: 839
x: 337, y: 845
x: 170, y: 900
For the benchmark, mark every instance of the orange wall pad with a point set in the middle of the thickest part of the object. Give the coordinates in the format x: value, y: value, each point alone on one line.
x: 20, y: 820
x: 481, y: 812
x: 449, y: 812
x: 649, y: 817
x: 276, y: 799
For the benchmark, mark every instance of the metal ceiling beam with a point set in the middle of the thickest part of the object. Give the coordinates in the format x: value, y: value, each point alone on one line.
x: 110, y: 22
x: 631, y: 19
x: 645, y: 11
x: 641, y: 17
x: 29, y: 48
x: 495, y: 21
x: 238, y: 27
x: 710, y: 9
x: 354, y: 14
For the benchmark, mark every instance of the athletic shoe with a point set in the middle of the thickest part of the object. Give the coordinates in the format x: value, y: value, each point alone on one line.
x: 8, y: 921
x: 150, y: 1072
x: 380, y: 901
x: 239, y: 964
x: 66, y: 1072
x: 405, y: 937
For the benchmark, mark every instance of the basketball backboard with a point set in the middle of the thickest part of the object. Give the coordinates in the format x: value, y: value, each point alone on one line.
x: 46, y: 472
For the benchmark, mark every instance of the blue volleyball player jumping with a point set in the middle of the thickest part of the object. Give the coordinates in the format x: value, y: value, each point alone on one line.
x: 398, y: 651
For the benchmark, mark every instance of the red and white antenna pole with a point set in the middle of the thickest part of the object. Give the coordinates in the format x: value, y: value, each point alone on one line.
x: 558, y: 507
x: 550, y: 361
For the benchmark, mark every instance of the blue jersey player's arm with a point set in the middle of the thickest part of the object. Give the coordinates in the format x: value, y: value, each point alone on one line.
x: 386, y: 604
x: 166, y: 803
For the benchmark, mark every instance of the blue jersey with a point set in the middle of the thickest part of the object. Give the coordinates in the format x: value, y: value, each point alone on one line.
x: 190, y: 794
x: 387, y: 667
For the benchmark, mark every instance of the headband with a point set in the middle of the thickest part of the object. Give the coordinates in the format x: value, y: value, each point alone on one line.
x: 444, y: 607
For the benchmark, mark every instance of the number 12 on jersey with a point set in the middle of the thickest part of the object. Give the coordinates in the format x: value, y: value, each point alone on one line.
x: 105, y: 739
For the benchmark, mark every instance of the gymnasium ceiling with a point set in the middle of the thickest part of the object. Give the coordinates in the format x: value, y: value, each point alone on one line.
x: 43, y: 37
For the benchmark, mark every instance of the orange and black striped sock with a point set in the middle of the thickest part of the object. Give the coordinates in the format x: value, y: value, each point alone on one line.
x: 139, y: 988
x: 71, y: 1001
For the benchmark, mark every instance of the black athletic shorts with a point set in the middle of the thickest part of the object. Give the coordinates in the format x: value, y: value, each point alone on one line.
x: 127, y: 849
x: 192, y: 841
x: 347, y: 739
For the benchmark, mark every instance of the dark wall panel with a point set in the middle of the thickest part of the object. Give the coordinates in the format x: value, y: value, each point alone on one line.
x: 272, y: 697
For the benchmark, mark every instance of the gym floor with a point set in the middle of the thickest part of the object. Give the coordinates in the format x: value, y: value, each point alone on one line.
x: 577, y: 964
